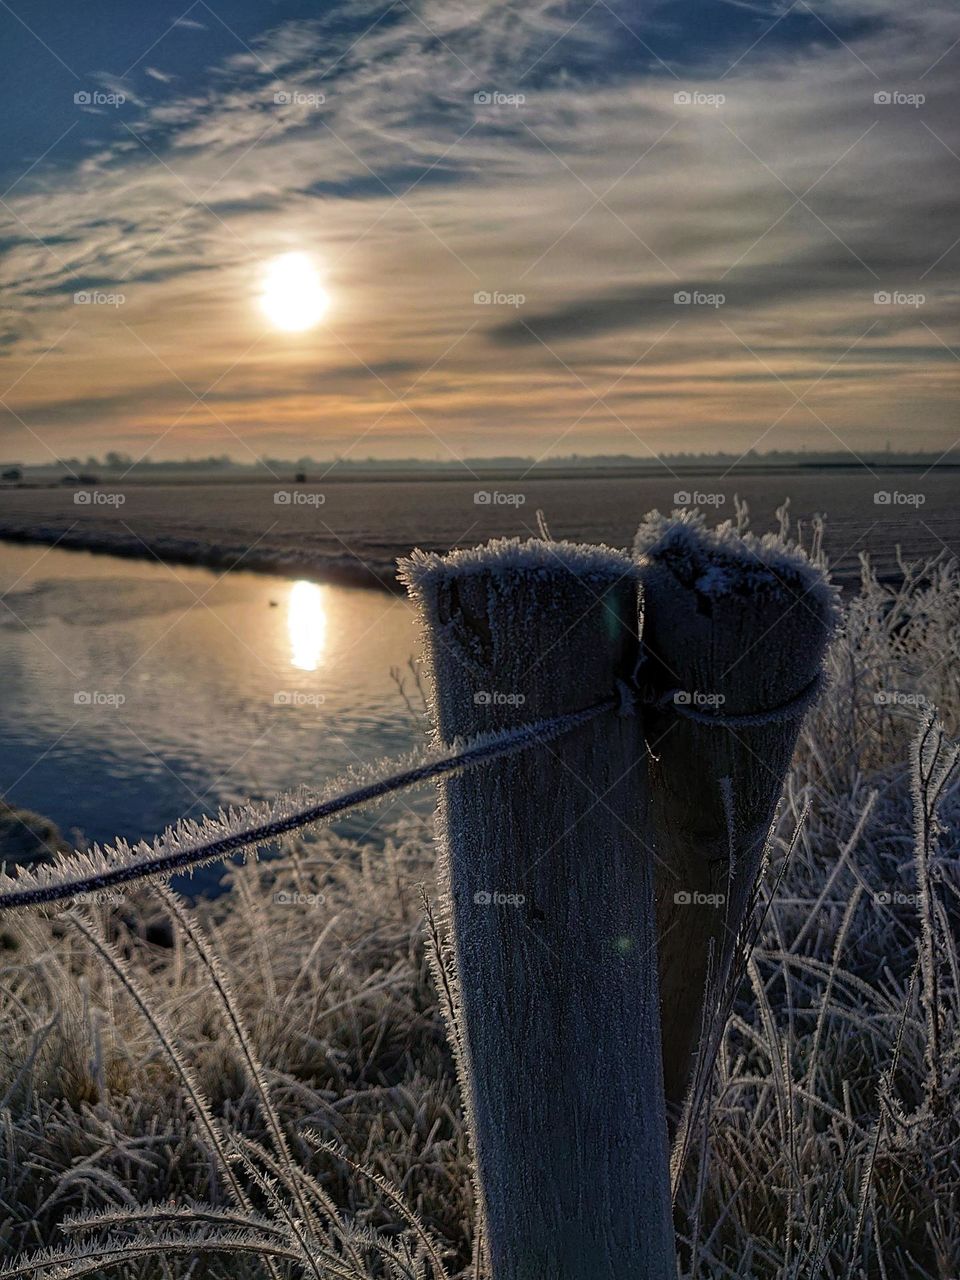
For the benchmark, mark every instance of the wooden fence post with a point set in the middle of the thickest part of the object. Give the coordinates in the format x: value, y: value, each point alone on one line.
x: 737, y: 627
x: 548, y: 872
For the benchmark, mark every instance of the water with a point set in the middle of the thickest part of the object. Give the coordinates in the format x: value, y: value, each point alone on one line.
x: 136, y: 692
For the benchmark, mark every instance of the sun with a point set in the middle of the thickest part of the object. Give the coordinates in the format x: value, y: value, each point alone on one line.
x: 293, y: 298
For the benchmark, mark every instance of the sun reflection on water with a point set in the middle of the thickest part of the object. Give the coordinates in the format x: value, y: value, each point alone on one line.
x: 306, y: 625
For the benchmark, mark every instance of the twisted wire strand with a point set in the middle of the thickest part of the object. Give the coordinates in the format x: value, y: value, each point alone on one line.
x: 473, y: 752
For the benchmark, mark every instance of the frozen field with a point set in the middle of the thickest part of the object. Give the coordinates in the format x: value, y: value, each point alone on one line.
x: 354, y: 530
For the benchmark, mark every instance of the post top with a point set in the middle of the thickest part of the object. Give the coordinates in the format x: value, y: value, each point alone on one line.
x: 425, y: 570
x: 722, y: 561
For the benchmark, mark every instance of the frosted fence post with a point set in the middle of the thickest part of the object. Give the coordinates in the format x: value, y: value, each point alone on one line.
x: 546, y: 863
x: 735, y: 625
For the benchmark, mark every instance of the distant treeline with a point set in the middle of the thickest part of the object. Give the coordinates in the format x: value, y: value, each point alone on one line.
x: 115, y: 464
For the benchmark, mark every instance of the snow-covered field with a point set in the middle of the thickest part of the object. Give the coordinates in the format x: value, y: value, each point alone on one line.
x: 354, y: 530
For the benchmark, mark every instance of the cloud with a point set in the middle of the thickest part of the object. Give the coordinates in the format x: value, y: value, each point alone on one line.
x: 120, y: 86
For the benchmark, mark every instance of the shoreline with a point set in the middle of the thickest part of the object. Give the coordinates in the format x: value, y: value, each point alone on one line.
x: 344, y: 570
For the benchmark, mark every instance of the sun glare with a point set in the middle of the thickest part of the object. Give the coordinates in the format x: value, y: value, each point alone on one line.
x: 306, y: 625
x: 293, y: 298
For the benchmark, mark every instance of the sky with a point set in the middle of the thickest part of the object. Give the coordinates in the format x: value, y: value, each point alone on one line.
x: 536, y: 228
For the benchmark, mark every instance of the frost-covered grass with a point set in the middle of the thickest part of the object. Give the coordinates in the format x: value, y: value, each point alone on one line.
x: 298, y: 1010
